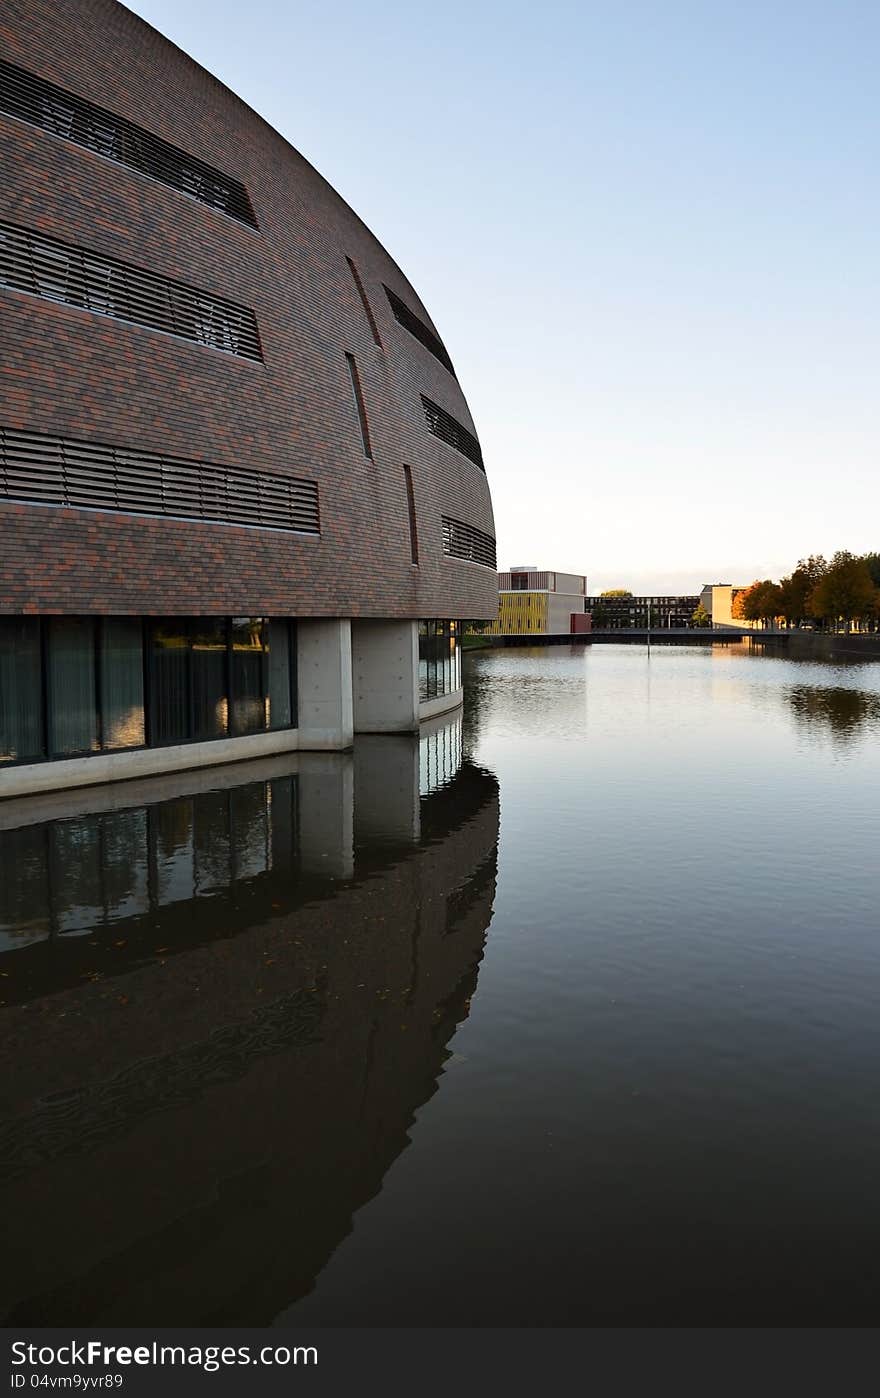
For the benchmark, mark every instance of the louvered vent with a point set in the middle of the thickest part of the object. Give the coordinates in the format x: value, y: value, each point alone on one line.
x: 463, y: 541
x: 32, y: 99
x: 410, y: 321
x: 45, y: 267
x: 91, y: 476
x: 445, y: 426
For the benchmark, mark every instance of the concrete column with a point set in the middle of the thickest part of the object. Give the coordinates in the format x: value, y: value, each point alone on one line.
x: 386, y: 789
x: 326, y: 814
x: 324, y: 681
x: 385, y: 674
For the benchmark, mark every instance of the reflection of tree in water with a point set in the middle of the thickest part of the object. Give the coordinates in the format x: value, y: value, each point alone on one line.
x: 845, y: 711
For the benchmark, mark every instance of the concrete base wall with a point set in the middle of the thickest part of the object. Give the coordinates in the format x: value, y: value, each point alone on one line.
x: 32, y: 778
x: 821, y: 645
x: 324, y: 680
x: 385, y: 676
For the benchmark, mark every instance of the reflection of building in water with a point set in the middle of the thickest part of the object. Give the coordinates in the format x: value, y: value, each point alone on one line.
x: 440, y: 754
x: 204, y: 1085
x: 83, y: 873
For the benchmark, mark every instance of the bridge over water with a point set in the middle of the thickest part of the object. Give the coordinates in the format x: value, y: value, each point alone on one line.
x: 633, y: 635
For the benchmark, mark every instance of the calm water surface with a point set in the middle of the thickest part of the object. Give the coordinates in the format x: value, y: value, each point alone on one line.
x: 567, y: 1016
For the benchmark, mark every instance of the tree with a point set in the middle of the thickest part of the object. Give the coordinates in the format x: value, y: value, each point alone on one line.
x: 846, y: 592
x: 616, y: 592
x: 600, y: 616
x: 701, y: 617
x: 872, y: 562
x: 737, y: 602
x: 760, y: 602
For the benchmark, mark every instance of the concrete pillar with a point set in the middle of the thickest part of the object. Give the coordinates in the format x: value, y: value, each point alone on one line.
x: 386, y: 789
x: 326, y: 814
x: 324, y: 682
x: 385, y: 675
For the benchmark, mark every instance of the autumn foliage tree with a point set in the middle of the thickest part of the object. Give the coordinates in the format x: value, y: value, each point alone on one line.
x: 760, y: 602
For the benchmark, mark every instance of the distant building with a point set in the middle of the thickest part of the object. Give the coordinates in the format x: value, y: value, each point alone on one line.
x: 620, y: 613
x: 541, y: 603
x: 718, y: 599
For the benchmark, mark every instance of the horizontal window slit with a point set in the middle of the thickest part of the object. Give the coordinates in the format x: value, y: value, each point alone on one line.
x: 123, y: 292
x: 464, y: 541
x: 449, y: 430
x: 417, y: 328
x: 107, y: 478
x: 41, y: 103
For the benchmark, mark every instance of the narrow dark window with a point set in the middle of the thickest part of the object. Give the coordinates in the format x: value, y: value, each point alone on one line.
x: 451, y: 431
x: 418, y: 329
x: 359, y: 403
x: 411, y: 506
x: 363, y: 295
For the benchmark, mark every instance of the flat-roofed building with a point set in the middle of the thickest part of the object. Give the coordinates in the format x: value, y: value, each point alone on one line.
x: 542, y: 602
x: 656, y: 610
x: 719, y: 599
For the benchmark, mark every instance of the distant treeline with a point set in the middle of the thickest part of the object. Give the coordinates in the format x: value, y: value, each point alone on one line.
x: 843, y: 591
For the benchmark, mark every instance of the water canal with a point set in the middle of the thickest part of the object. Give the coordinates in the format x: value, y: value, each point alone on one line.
x: 565, y: 1014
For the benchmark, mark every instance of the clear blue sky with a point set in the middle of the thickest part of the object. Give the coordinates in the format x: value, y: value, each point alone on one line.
x: 646, y: 229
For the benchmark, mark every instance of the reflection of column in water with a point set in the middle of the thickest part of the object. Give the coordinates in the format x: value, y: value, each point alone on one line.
x: 386, y: 789
x: 326, y: 814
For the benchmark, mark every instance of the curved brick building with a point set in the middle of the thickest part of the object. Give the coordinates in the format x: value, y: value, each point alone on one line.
x: 242, y: 502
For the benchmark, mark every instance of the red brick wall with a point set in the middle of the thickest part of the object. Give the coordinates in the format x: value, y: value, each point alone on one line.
x: 74, y: 373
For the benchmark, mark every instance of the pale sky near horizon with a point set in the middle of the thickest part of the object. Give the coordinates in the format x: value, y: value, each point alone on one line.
x: 647, y: 231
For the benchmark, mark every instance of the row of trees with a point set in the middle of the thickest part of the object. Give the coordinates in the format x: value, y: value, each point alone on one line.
x: 840, y: 592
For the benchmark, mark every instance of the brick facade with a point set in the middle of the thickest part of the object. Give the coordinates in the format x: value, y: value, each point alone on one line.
x: 78, y: 374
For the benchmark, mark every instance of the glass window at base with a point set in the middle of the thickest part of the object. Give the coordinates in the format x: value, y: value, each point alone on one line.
x: 21, y: 725
x: 439, y: 659
x: 75, y: 686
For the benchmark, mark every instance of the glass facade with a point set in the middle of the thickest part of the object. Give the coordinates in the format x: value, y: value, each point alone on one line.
x: 22, y: 734
x: 439, y: 658
x: 70, y: 686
